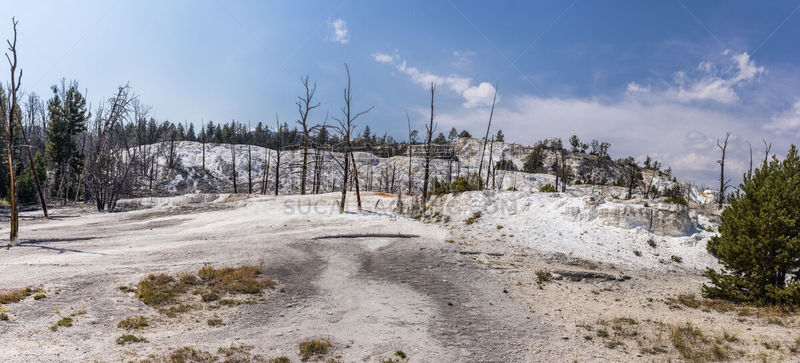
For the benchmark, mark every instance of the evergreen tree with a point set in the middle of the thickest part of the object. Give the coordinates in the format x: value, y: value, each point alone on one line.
x: 534, y: 163
x: 499, y: 137
x: 453, y: 134
x: 759, y: 238
x: 574, y: 142
x: 190, y: 133
x: 67, y: 118
x: 440, y: 139
x: 464, y: 133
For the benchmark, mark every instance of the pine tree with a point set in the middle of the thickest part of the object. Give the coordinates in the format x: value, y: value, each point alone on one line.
x: 499, y: 137
x: 453, y: 134
x: 68, y: 118
x: 759, y: 238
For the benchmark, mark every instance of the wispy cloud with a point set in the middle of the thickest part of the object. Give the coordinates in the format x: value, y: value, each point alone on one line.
x: 474, y: 95
x: 711, y: 82
x: 788, y: 121
x: 338, y: 31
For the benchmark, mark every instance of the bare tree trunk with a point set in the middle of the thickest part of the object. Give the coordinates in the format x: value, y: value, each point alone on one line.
x: 355, y: 180
x: 723, y: 184
x: 486, y: 137
x: 429, y: 130
x: 9, y: 128
x: 277, y: 169
x: 304, y: 106
x: 489, y: 167
x: 249, y: 171
x: 346, y: 126
x: 31, y: 115
x: 233, y: 162
x: 409, y: 153
x: 266, y: 171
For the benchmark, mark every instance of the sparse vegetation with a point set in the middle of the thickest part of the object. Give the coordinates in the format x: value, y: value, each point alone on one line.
x: 13, y: 296
x: 311, y: 348
x: 210, y: 284
x: 676, y: 200
x: 543, y: 276
x: 214, y: 322
x: 463, y: 183
x: 547, y: 188
x: 128, y: 338
x: 133, y: 323
x: 62, y: 323
x: 651, y: 242
x: 475, y: 216
x: 693, y: 345
x: 676, y: 259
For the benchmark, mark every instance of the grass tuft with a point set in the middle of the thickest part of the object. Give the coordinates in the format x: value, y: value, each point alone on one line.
x: 133, y: 323
x: 128, y: 338
x: 63, y: 323
x: 310, y: 348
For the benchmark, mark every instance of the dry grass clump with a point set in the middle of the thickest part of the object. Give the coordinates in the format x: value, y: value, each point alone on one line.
x: 160, y: 289
x: 240, y: 280
x: 211, y: 284
x: 474, y: 218
x: 13, y: 296
x: 310, y: 348
x: 64, y: 322
x: 694, y: 346
x: 188, y: 354
x: 128, y: 339
x: 133, y: 323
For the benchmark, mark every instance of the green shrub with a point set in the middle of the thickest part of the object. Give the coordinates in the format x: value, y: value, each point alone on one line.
x: 464, y: 183
x: 547, y: 188
x: 676, y: 200
x: 758, y: 244
x: 128, y: 338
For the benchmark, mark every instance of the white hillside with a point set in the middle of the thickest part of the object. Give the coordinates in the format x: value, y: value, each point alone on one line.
x: 375, y: 173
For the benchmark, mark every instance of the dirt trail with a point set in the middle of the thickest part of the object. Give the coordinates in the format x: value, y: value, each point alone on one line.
x: 371, y: 296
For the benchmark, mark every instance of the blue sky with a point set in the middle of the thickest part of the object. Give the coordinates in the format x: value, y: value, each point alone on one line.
x: 660, y: 78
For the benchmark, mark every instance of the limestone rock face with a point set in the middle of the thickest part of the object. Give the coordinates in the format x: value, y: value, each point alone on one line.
x: 664, y: 218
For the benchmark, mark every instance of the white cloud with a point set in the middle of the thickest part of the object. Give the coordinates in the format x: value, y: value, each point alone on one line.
x: 788, y: 121
x: 715, y: 84
x: 480, y: 95
x: 338, y: 31
x: 634, y: 87
x: 682, y: 136
x: 383, y: 58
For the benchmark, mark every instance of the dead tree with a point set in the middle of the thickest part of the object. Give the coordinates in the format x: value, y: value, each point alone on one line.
x: 767, y: 148
x: 632, y: 176
x: 564, y: 171
x: 429, y: 129
x: 249, y: 168
x: 233, y: 164
x: 410, y: 141
x: 750, y: 169
x: 304, y: 106
x: 265, y: 170
x: 318, y: 157
x: 486, y: 137
x: 9, y: 115
x: 107, y: 167
x: 32, y: 108
x: 278, y: 154
x: 489, y: 167
x: 346, y: 126
x: 204, y: 146
x: 723, y: 184
x: 355, y: 180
